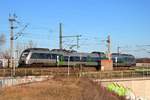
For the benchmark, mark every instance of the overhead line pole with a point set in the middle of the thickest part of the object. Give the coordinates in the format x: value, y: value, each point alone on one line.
x: 78, y: 40
x: 118, y: 49
x: 109, y: 47
x: 60, y: 36
x: 11, y: 20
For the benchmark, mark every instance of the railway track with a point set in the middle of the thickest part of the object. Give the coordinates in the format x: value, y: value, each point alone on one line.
x: 121, y: 68
x: 44, y: 70
x: 32, y: 70
x: 63, y: 71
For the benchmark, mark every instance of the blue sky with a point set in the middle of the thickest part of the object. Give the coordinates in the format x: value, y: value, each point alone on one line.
x: 126, y: 21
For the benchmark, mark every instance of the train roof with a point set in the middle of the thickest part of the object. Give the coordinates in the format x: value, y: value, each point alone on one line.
x: 64, y: 52
x: 36, y: 49
x: 96, y: 52
x: 75, y: 53
x: 117, y: 54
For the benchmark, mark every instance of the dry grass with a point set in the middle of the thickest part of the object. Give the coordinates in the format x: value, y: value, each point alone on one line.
x: 58, y: 89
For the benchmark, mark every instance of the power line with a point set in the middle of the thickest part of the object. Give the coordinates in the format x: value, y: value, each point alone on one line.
x: 20, y: 32
x: 77, y: 40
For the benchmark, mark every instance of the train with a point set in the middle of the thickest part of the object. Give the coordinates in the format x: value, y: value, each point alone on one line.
x: 123, y: 60
x: 61, y: 57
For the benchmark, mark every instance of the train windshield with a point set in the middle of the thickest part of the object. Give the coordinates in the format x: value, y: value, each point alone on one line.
x: 24, y: 55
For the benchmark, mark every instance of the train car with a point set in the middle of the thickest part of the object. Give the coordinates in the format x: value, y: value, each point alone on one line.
x: 74, y: 58
x: 123, y: 60
x: 37, y: 56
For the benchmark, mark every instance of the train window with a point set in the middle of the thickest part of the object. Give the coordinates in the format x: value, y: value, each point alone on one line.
x: 95, y: 59
x: 44, y: 56
x: 126, y: 59
x: 48, y: 56
x: 40, y: 56
x: 1, y: 64
x: 25, y: 54
x: 71, y: 58
x: 89, y: 59
x: 76, y: 58
x: 65, y: 58
x: 84, y: 59
x: 61, y: 58
x: 34, y: 56
x: 53, y: 56
x: 103, y: 56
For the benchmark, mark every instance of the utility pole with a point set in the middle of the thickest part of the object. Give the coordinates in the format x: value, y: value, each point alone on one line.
x: 78, y: 41
x: 60, y: 36
x: 109, y: 47
x: 118, y: 49
x: 11, y: 21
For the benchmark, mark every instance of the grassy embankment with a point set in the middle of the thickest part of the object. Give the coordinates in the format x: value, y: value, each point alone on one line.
x: 59, y: 89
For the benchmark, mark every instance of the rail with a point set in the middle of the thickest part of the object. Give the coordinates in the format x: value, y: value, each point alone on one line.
x: 78, y: 73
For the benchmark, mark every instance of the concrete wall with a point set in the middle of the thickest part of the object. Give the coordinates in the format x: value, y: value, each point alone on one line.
x: 11, y: 81
x: 139, y: 86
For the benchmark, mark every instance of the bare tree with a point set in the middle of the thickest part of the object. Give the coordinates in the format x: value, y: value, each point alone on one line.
x: 2, y: 39
x: 31, y: 44
x: 20, y: 47
x: 6, y: 54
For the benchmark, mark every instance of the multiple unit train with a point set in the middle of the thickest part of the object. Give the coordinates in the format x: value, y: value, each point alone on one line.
x: 58, y: 57
x: 123, y: 60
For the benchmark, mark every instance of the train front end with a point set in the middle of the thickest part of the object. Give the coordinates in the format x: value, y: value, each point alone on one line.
x: 24, y: 59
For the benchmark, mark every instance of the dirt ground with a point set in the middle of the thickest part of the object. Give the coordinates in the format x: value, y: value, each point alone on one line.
x: 58, y: 89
